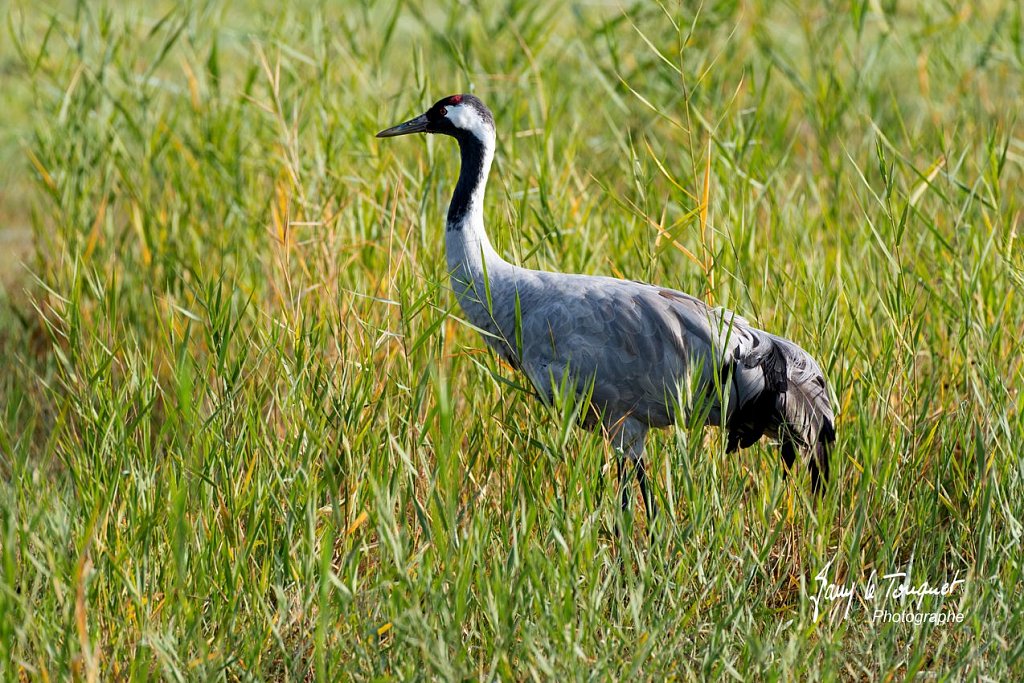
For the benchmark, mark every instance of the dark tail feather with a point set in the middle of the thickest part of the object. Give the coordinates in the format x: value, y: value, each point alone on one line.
x: 817, y: 461
x: 788, y: 454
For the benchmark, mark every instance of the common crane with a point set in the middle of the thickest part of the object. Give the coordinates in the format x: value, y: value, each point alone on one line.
x: 633, y: 348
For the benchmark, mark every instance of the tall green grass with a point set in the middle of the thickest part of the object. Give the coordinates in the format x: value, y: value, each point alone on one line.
x: 245, y: 434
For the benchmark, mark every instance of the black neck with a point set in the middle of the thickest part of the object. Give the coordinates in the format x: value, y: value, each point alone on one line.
x: 471, y: 176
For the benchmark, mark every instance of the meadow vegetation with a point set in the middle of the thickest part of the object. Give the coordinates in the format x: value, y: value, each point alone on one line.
x: 244, y: 433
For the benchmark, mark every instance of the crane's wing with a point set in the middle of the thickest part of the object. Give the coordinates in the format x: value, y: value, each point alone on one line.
x: 636, y: 343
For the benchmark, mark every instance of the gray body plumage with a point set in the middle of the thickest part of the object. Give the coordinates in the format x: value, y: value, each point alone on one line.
x: 641, y: 350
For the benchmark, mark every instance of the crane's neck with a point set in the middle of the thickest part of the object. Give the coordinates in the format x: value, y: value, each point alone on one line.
x: 471, y: 258
x: 483, y: 282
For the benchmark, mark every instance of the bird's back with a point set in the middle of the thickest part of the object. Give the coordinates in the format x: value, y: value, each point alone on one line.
x: 634, y: 341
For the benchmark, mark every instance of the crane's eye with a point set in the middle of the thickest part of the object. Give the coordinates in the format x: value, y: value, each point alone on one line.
x: 444, y: 111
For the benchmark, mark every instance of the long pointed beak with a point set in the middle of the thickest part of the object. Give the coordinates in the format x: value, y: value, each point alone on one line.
x: 416, y: 125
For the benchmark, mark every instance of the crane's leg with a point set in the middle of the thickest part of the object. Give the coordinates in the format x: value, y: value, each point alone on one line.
x: 645, y: 491
x: 628, y: 436
x: 623, y: 483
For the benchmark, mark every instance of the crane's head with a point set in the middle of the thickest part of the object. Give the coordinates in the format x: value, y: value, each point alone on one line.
x: 456, y: 115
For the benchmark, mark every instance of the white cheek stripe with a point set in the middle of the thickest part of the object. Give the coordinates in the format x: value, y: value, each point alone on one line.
x: 465, y: 117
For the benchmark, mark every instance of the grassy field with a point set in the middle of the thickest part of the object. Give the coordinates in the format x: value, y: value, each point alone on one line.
x: 244, y: 433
